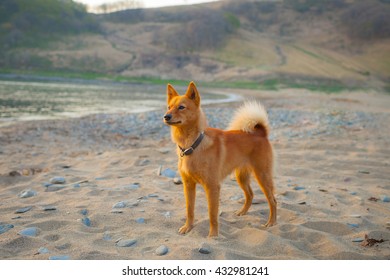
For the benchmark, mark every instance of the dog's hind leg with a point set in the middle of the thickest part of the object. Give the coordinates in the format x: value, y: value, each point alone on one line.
x: 243, y: 179
x: 267, y: 186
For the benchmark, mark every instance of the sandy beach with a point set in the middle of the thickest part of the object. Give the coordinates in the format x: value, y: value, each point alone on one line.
x: 105, y: 186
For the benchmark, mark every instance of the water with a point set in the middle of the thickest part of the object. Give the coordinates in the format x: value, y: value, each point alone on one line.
x: 27, y: 100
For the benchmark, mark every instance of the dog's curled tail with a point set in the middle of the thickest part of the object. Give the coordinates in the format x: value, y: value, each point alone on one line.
x: 251, y: 117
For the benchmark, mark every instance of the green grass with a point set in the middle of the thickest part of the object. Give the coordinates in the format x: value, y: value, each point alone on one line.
x: 272, y: 84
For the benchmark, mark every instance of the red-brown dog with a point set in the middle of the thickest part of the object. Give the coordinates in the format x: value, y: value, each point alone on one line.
x: 207, y: 155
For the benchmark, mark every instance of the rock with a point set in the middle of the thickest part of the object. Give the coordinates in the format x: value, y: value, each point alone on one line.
x: 23, y: 210
x: 164, y: 150
x: 159, y: 170
x: 298, y: 188
x: 120, y: 204
x: 351, y: 225
x: 140, y: 220
x: 204, y: 249
x: 86, y: 221
x: 167, y: 214
x: 43, y: 250
x: 385, y: 198
x: 54, y: 188
x: 355, y: 216
x: 142, y: 162
x: 60, y: 258
x: 162, y: 250
x: 76, y: 185
x: 31, y: 231
x: 5, y: 228
x: 153, y: 195
x: 133, y: 186
x: 84, y: 212
x: 126, y: 242
x: 27, y: 193
x: 177, y: 181
x: 57, y: 180
x: 353, y: 193
x: 49, y: 208
x: 359, y: 239
x: 107, y: 236
x: 364, y: 172
x: 168, y: 173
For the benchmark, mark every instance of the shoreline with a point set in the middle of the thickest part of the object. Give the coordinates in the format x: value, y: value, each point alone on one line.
x: 332, y: 185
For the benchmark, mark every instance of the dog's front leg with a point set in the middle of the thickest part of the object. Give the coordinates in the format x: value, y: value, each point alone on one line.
x: 189, y: 193
x: 212, y: 193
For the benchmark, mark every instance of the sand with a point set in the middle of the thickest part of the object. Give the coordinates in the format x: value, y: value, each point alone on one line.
x: 333, y: 186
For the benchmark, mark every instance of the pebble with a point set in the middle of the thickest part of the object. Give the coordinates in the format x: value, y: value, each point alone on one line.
x: 364, y: 172
x: 162, y: 250
x: 49, y: 208
x: 84, y: 212
x: 177, y: 181
x: 31, y: 231
x: 54, y: 188
x: 5, y: 228
x: 23, y: 210
x: 27, y: 193
x: 359, y: 239
x: 355, y: 216
x: 140, y: 220
x: 385, y: 198
x: 76, y: 185
x: 43, y: 250
x: 164, y: 150
x: 120, y: 204
x: 126, y: 242
x: 298, y: 188
x: 204, y: 249
x: 236, y: 197
x: 168, y: 173
x: 57, y: 180
x: 351, y: 225
x: 60, y: 258
x: 353, y: 193
x: 153, y: 195
x: 167, y: 215
x: 133, y: 186
x: 86, y: 221
x: 107, y: 236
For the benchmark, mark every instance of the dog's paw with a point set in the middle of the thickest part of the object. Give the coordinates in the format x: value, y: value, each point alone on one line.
x: 185, y: 229
x: 241, y: 212
x: 269, y: 224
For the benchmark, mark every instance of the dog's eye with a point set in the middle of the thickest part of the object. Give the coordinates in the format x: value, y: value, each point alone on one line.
x: 181, y: 107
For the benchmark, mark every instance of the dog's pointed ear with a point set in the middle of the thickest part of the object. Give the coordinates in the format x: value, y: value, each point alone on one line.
x: 193, y: 94
x: 171, y: 93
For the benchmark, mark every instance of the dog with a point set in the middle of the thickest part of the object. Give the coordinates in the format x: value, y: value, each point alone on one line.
x: 207, y: 155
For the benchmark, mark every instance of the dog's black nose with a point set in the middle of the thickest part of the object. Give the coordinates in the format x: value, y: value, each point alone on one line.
x: 168, y: 117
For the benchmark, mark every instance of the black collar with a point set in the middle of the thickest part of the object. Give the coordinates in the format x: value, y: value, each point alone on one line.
x: 190, y: 150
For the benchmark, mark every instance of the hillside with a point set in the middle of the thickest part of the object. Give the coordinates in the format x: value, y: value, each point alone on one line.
x: 305, y: 42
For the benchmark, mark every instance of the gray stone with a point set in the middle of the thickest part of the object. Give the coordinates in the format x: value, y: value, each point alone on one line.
x: 49, y: 208
x: 43, y: 250
x: 168, y: 173
x: 27, y: 193
x: 298, y: 188
x: 57, y: 180
x: 86, y: 221
x: 162, y: 250
x: 352, y: 225
x: 54, y: 188
x: 177, y: 181
x: 153, y: 195
x: 140, y: 220
x: 204, y: 249
x: 5, y: 228
x: 23, y: 210
x: 84, y: 212
x: 359, y: 239
x: 126, y: 243
x: 60, y: 258
x: 385, y: 198
x: 120, y: 204
x: 31, y: 231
